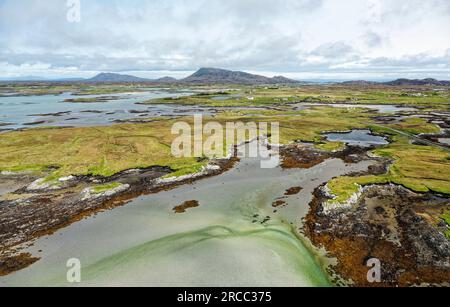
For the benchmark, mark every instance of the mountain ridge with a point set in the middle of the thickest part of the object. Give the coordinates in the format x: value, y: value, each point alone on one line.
x: 113, y: 77
x: 201, y: 76
x: 401, y: 82
x: 427, y: 81
x: 120, y: 78
x: 209, y: 75
x: 223, y: 76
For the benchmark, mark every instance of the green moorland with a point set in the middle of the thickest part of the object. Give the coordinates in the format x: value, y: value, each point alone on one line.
x: 417, y: 167
x: 105, y: 187
x: 28, y: 89
x: 425, y: 97
x: 108, y: 150
x: 278, y: 96
x: 446, y: 218
x: 330, y: 146
x: 102, y: 151
x: 415, y: 126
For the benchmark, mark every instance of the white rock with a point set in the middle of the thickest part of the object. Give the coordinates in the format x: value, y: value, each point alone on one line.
x: 7, y: 173
x: 331, y: 206
x: 41, y: 184
x: 65, y: 179
x: 88, y: 193
x: 212, y: 167
x: 204, y: 171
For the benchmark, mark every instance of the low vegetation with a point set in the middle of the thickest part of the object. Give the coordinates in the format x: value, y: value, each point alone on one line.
x: 279, y: 96
x: 419, y: 168
x: 108, y: 150
x: 416, y: 126
x: 330, y: 146
x: 105, y: 151
x: 102, y: 151
x: 105, y: 187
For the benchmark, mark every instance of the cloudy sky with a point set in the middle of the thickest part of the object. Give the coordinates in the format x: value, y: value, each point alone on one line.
x: 305, y: 39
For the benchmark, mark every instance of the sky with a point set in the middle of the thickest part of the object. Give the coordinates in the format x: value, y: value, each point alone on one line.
x: 302, y: 39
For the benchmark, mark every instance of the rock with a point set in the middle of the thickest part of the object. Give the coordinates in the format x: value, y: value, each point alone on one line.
x: 89, y: 193
x: 439, y: 243
x: 6, y: 173
x: 380, y: 210
x: 42, y: 184
x: 208, y: 169
x: 386, y: 223
x: 442, y: 224
x: 353, y: 158
x: 186, y: 205
x: 331, y: 206
x: 293, y: 191
x: 65, y: 179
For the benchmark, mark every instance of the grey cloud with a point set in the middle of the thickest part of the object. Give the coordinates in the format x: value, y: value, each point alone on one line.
x: 333, y: 50
x: 418, y: 60
x: 373, y: 39
x: 137, y: 35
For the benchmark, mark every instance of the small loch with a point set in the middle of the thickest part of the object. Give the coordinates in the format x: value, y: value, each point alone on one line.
x: 361, y: 138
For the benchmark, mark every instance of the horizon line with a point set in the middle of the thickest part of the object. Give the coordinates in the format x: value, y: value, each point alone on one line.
x: 329, y: 76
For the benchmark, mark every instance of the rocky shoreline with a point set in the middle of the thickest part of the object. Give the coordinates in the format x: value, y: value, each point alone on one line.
x: 389, y: 223
x: 39, y: 209
x: 401, y: 228
x: 306, y: 156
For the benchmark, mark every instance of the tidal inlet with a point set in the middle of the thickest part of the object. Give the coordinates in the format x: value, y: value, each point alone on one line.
x: 217, y: 151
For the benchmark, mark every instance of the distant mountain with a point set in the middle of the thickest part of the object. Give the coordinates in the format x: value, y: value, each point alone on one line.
x: 24, y: 78
x: 69, y: 80
x: 360, y: 83
x: 222, y: 76
x: 116, y: 78
x: 166, y: 80
x: 400, y: 82
x: 282, y: 80
x: 429, y: 81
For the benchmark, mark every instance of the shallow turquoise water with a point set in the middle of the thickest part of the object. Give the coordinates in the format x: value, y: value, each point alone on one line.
x: 17, y: 111
x: 381, y: 108
x: 223, y: 242
x: 363, y: 138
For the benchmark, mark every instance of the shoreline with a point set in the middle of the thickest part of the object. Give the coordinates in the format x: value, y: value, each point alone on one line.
x: 240, y: 216
x: 12, y: 260
x: 10, y: 254
x: 383, y: 223
x: 320, y: 232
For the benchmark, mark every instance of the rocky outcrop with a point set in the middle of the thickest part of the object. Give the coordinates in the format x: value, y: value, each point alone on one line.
x: 389, y: 223
x: 208, y: 169
x: 43, y: 207
x: 332, y: 205
x: 222, y: 76
x: 43, y: 184
x: 90, y: 193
